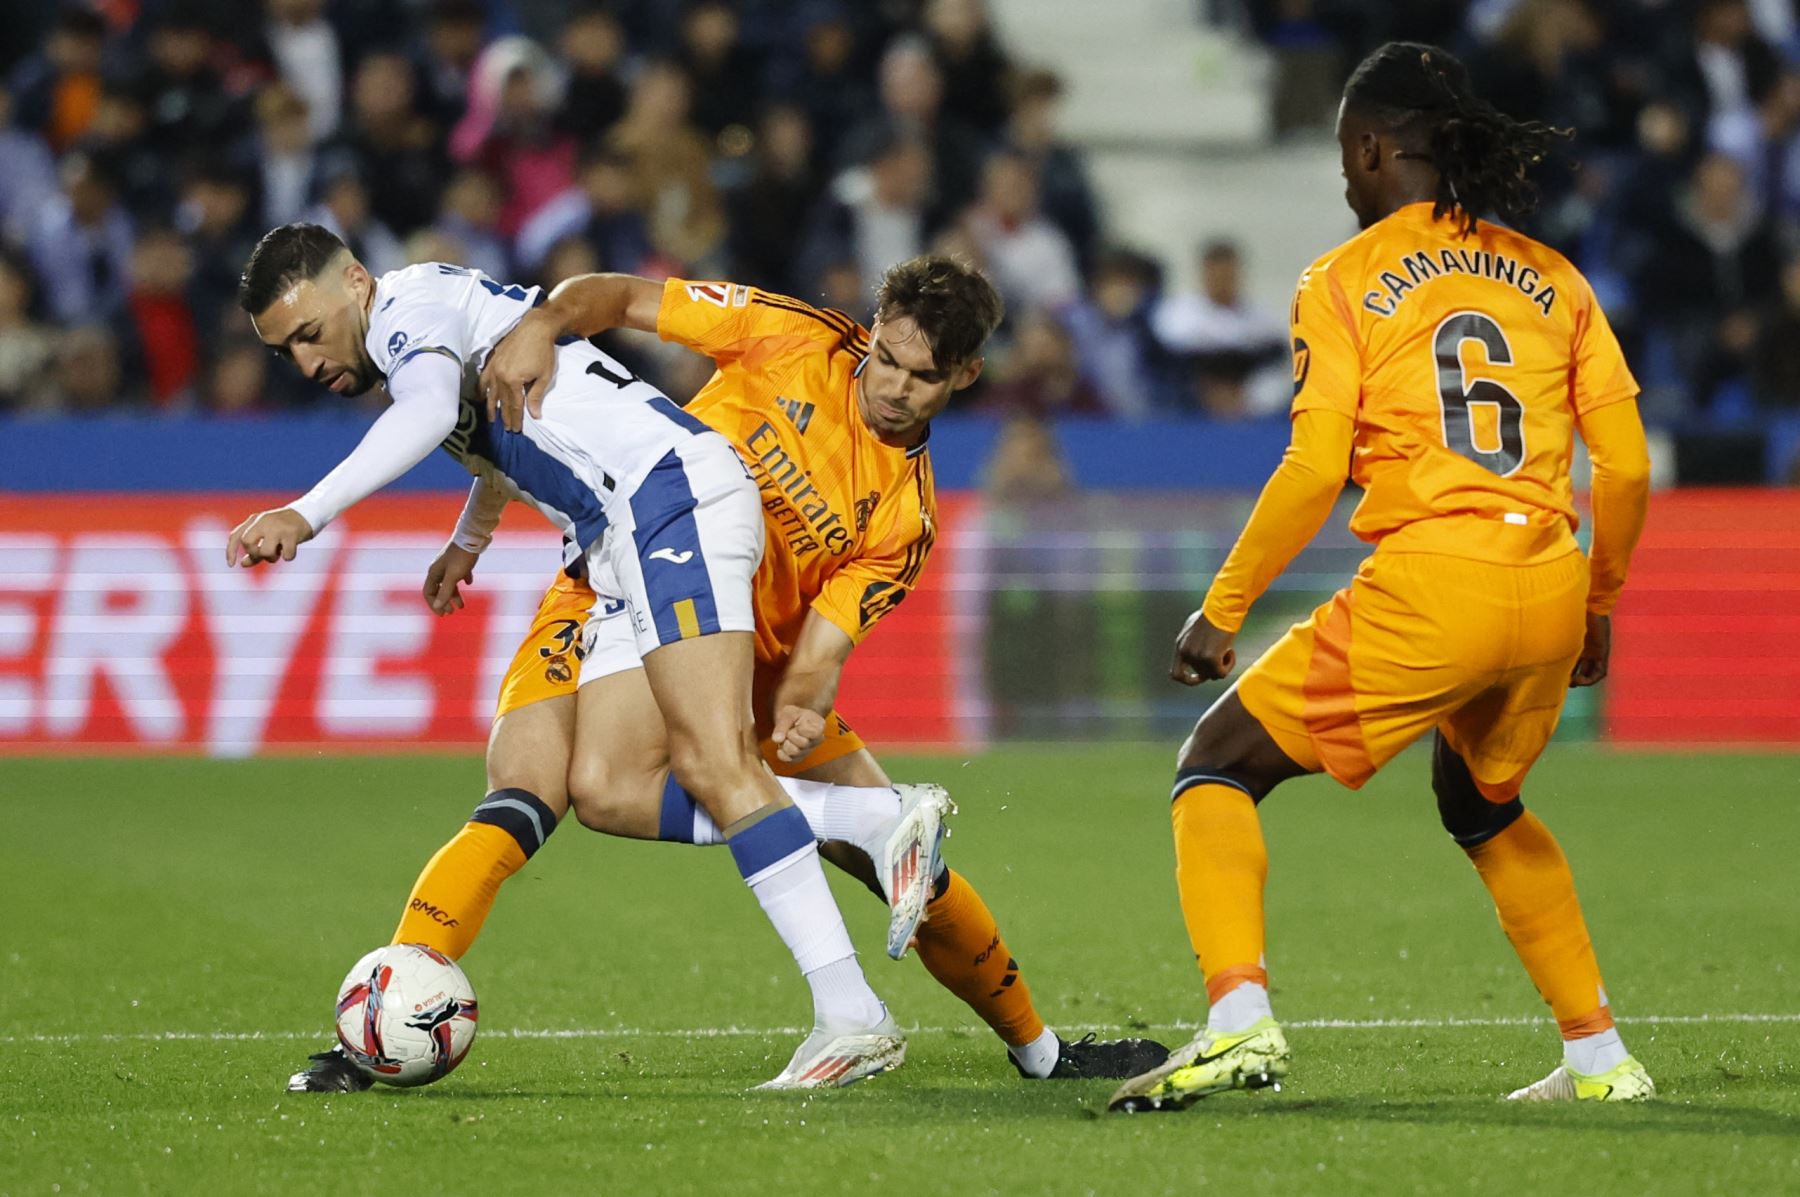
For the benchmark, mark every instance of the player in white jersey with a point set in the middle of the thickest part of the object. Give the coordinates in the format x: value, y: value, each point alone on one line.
x: 661, y: 506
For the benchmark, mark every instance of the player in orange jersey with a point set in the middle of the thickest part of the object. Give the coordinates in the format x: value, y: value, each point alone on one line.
x: 831, y: 420
x: 1449, y: 362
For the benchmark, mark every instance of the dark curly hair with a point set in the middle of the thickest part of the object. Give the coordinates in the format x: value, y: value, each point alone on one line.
x: 952, y: 302
x: 286, y: 255
x: 1483, y: 157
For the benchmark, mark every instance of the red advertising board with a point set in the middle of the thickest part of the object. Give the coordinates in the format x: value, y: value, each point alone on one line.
x: 122, y: 629
x: 1706, y: 641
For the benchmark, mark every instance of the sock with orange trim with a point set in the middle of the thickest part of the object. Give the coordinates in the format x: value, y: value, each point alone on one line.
x: 1221, y: 866
x: 452, y: 897
x: 1534, y: 894
x: 960, y: 945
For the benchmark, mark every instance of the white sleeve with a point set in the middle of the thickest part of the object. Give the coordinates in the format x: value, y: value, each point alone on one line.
x: 425, y: 397
x: 480, y: 516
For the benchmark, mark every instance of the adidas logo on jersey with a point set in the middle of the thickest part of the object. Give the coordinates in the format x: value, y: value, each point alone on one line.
x: 800, y: 413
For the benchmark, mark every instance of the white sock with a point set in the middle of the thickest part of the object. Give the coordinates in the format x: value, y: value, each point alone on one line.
x: 1592, y: 1055
x: 860, y: 815
x: 1239, y: 1010
x: 1038, y: 1057
x: 706, y: 832
x: 795, y: 896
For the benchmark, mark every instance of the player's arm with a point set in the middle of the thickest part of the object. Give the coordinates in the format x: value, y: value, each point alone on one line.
x: 1294, y: 505
x: 1299, y: 496
x: 1606, y: 415
x: 809, y: 686
x: 456, y: 563
x: 422, y: 414
x: 523, y: 365
x: 1614, y: 436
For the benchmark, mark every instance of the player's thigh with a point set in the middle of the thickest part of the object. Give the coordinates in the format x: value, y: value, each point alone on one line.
x: 621, y: 756
x: 686, y: 568
x: 1501, y: 732
x: 529, y: 748
x: 1380, y: 664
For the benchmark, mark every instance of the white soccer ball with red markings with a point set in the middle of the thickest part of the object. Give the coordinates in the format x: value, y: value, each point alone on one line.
x: 406, y: 1014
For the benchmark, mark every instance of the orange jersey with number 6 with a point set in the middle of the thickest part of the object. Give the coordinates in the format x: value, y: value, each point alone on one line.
x: 849, y: 520
x: 1465, y: 362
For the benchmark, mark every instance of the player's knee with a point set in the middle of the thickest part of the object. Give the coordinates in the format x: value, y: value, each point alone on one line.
x: 1471, y: 818
x: 708, y: 771
x: 610, y: 800
x: 1209, y: 757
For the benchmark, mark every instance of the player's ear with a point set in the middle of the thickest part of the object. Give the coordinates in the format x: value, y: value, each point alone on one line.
x: 1368, y: 151
x: 357, y: 280
x: 967, y: 375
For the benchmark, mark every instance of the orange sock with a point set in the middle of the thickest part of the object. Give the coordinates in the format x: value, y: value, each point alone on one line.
x: 1534, y: 893
x: 960, y: 945
x: 1221, y: 865
x: 452, y: 897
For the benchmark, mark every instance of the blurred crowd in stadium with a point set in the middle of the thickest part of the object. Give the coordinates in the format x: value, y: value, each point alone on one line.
x: 802, y: 145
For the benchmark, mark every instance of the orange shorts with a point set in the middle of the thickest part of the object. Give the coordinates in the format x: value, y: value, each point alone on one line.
x: 1417, y: 642
x: 548, y: 664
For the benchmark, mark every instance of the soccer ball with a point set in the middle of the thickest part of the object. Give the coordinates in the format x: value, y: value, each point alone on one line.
x: 406, y: 1014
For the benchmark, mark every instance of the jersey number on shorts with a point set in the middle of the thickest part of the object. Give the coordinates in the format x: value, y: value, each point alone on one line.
x: 1460, y: 398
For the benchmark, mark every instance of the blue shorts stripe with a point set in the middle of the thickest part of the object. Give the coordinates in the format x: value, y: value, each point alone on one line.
x: 676, y: 825
x: 676, y: 582
x: 762, y: 844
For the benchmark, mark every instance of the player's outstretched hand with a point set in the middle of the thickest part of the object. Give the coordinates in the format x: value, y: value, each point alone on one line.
x: 797, y: 732
x: 267, y: 536
x: 519, y: 371
x: 1596, y: 652
x: 443, y: 581
x: 1203, y: 653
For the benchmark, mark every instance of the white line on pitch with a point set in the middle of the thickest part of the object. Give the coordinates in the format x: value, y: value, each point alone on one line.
x: 1315, y: 1024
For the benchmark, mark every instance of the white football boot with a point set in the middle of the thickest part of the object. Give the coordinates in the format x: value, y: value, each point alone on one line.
x: 832, y: 1059
x: 911, y: 858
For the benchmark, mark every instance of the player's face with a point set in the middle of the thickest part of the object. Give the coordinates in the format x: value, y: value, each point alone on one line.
x: 319, y: 325
x: 902, y: 387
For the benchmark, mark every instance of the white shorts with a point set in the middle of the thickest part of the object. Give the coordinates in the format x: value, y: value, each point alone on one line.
x: 681, y: 564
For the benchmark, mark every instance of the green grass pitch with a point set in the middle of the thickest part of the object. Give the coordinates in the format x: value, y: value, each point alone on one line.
x: 174, y: 932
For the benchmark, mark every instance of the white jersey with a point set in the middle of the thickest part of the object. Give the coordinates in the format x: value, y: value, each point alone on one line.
x: 602, y: 431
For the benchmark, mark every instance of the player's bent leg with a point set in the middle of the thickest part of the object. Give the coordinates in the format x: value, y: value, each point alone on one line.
x: 528, y: 748
x: 1533, y: 889
x: 1227, y: 766
x: 621, y: 764
x: 527, y: 753
x: 702, y: 686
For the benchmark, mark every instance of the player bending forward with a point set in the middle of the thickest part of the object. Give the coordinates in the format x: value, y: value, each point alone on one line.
x: 1450, y: 364
x: 625, y: 474
x: 832, y: 419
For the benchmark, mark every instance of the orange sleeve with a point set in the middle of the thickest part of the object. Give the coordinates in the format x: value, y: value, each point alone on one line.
x: 1294, y: 505
x: 727, y: 321
x: 1615, y: 439
x: 1327, y: 354
x: 869, y: 586
x: 1600, y: 373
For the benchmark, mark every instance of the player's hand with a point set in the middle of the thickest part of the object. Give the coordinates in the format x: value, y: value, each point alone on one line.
x: 519, y: 371
x: 443, y: 581
x: 797, y: 732
x: 1596, y: 652
x: 1203, y: 653
x: 267, y: 536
